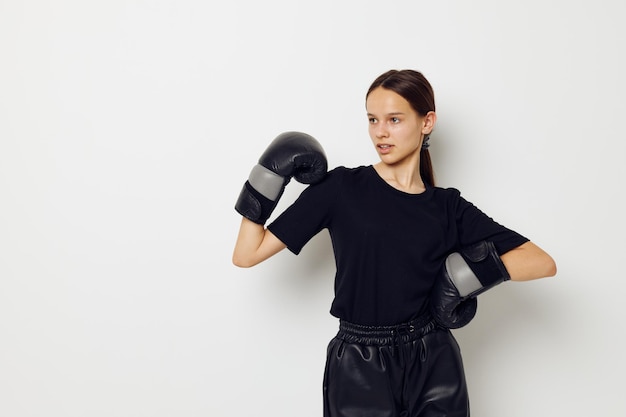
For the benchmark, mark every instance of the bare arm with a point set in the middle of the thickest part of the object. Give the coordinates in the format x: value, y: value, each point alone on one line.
x: 528, y: 262
x: 254, y: 244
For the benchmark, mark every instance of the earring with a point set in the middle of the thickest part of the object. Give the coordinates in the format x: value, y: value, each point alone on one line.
x: 425, y: 144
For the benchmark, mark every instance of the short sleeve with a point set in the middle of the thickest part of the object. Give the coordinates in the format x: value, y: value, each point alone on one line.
x: 309, y: 214
x: 473, y: 226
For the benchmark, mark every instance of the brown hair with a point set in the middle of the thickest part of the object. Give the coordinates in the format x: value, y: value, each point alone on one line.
x: 414, y: 88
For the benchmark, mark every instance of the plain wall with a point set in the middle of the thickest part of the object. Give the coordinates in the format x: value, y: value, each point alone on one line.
x: 127, y: 129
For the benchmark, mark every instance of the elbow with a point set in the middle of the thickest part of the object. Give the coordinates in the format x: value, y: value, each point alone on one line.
x: 550, y: 267
x: 242, y: 262
x: 545, y: 266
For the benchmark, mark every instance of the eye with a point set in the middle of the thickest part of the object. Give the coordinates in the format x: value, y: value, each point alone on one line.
x: 372, y: 120
x: 395, y: 120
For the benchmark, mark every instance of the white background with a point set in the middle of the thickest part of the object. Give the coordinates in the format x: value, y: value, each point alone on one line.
x: 128, y: 127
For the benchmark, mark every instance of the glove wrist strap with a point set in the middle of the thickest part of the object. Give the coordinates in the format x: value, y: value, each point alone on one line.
x: 253, y: 205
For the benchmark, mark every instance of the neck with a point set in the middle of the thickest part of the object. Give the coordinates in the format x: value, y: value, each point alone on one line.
x: 405, y: 178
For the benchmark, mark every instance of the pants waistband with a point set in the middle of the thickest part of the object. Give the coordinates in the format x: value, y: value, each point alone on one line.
x: 386, y: 335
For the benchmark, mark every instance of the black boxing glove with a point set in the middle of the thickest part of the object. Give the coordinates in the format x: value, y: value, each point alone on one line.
x: 466, y: 274
x: 291, y: 154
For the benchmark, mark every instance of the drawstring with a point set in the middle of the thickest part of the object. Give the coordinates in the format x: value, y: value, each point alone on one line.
x: 398, y: 333
x: 402, y: 346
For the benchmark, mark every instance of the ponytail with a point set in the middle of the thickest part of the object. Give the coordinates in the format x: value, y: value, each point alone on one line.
x: 426, y: 168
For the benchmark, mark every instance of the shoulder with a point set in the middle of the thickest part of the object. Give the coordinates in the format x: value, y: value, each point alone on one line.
x: 452, y: 198
x: 342, y: 170
x: 342, y: 173
x: 448, y: 194
x: 331, y: 184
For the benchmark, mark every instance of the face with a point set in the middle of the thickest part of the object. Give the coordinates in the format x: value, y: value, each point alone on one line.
x: 395, y: 128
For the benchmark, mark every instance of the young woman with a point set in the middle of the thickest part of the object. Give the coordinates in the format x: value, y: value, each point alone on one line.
x: 397, y: 288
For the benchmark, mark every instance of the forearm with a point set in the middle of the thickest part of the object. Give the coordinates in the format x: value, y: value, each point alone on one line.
x: 528, y: 262
x: 254, y: 244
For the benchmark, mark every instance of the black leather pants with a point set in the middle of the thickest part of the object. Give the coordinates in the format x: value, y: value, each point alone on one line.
x: 410, y: 370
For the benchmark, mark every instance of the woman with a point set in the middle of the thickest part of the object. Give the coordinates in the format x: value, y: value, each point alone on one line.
x: 392, y: 230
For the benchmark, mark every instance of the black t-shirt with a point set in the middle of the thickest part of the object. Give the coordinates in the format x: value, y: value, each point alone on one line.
x: 389, y: 245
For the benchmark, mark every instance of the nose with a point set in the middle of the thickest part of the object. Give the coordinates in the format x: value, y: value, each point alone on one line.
x: 381, y: 131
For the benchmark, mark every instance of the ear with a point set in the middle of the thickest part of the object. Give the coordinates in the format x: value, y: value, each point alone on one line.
x: 429, y: 122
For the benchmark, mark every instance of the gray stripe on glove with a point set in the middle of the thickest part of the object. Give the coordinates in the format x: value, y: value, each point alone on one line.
x: 464, y: 279
x: 266, y: 182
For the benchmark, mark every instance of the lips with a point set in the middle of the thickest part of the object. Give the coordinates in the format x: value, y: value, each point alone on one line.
x: 384, y: 148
